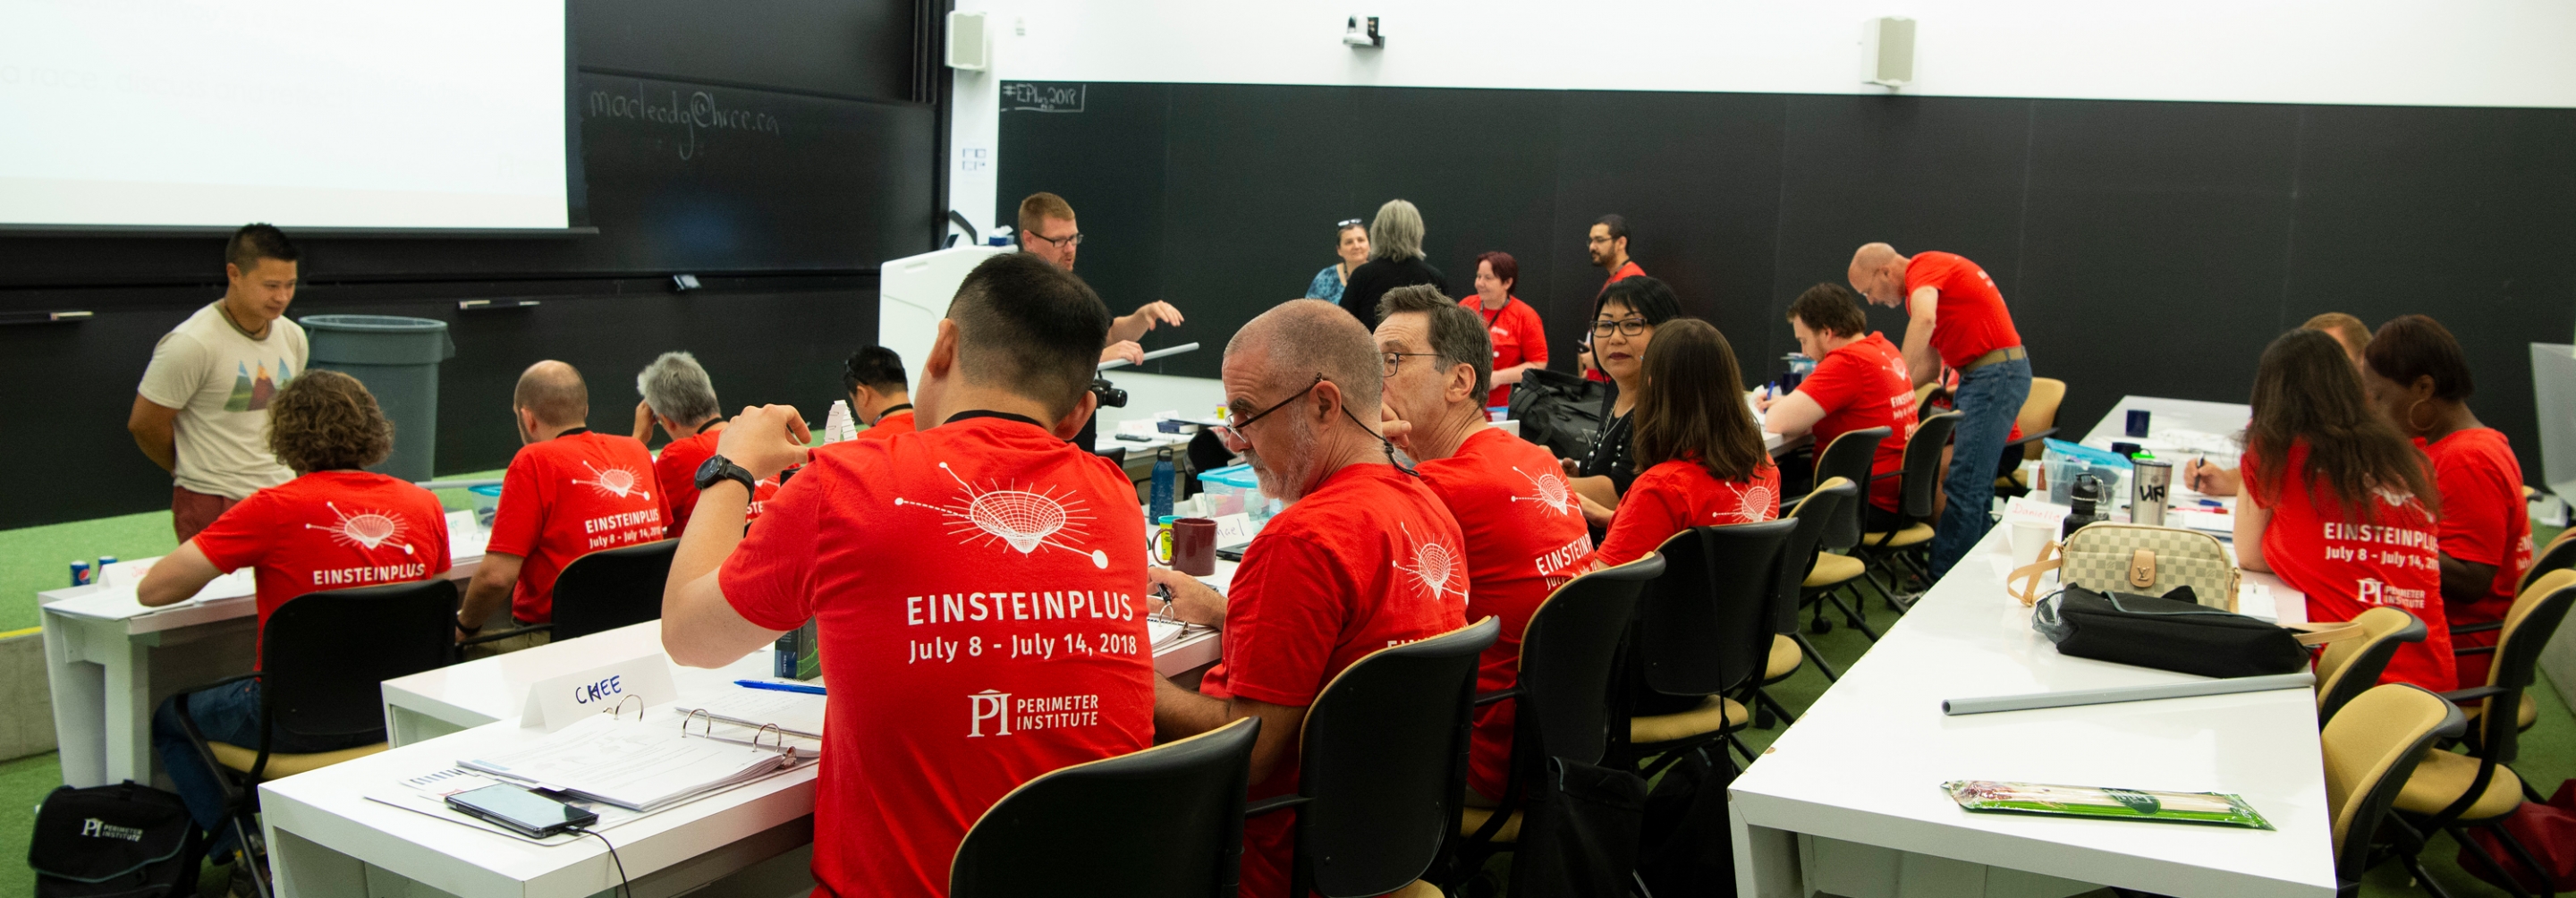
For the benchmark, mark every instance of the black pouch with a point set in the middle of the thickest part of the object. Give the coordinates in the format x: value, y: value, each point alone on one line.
x: 1688, y: 847
x: 122, y: 841
x: 1582, y: 832
x: 1557, y: 410
x: 2172, y: 633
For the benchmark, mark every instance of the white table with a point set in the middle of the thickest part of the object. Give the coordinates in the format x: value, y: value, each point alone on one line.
x: 1847, y: 801
x: 2164, y: 415
x: 107, y: 674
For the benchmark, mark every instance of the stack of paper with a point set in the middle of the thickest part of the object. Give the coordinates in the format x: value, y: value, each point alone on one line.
x: 636, y: 764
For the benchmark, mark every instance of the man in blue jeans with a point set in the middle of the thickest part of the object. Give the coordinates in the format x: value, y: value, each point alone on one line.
x: 1956, y: 318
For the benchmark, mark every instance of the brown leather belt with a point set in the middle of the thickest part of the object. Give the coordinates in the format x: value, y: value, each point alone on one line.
x: 2005, y: 354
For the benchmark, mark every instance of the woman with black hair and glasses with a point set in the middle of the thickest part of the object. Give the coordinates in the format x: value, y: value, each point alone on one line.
x: 1351, y: 240
x: 1622, y: 326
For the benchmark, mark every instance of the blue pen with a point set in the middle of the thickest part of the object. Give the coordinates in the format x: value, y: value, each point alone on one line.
x: 779, y: 687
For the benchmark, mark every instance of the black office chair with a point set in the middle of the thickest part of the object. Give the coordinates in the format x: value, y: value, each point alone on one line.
x: 1205, y: 453
x: 1702, y: 636
x: 1085, y: 826
x: 1569, y: 659
x: 1790, y: 648
x: 2370, y: 754
x: 1850, y: 457
x: 1382, y: 763
x: 1116, y: 455
x: 323, y: 658
x: 603, y: 591
x: 1894, y: 552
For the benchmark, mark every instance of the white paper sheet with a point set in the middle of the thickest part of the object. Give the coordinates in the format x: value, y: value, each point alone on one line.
x: 638, y: 764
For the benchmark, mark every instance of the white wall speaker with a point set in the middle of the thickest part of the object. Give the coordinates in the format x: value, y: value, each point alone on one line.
x: 1889, y: 52
x: 969, y: 47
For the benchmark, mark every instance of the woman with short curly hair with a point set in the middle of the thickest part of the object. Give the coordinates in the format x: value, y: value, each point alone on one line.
x: 334, y: 526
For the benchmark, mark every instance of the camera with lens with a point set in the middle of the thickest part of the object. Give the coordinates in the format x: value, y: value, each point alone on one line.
x: 1109, y: 394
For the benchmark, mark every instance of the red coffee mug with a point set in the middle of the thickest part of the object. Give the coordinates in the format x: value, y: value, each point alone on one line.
x: 1194, y: 546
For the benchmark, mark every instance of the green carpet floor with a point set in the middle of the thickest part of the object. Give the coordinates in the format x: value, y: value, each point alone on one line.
x: 2548, y: 748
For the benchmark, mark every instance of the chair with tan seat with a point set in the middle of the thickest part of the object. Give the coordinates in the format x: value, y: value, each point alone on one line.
x: 1382, y: 762
x: 1085, y: 823
x: 1569, y: 658
x: 2038, y: 422
x: 1897, y: 553
x: 1702, y: 636
x: 2453, y: 791
x: 2370, y: 751
x: 322, y: 658
x: 1790, y: 649
x: 2350, y: 666
x: 1850, y: 457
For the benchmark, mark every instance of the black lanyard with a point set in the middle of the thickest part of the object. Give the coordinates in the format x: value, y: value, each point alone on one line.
x: 906, y: 406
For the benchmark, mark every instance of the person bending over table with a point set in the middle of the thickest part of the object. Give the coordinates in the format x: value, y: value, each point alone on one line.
x: 1624, y: 325
x: 2342, y: 505
x: 880, y: 396
x: 676, y: 389
x: 1956, y: 317
x: 1702, y: 452
x: 1512, y: 326
x: 1350, y: 238
x: 1048, y: 231
x: 1860, y: 382
x: 930, y: 709
x: 1364, y: 559
x: 1523, y: 531
x: 2198, y: 475
x: 2418, y: 376
x: 568, y: 492
x: 333, y: 526
x: 1395, y: 260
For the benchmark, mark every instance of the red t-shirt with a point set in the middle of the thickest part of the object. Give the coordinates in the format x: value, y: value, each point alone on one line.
x: 1675, y: 495
x: 2348, y: 562
x: 1970, y: 319
x: 1518, y: 338
x: 1624, y: 272
x: 2485, y: 521
x: 888, y: 426
x: 677, y: 469
x: 1525, y: 536
x: 1368, y: 560
x: 329, y: 530
x: 567, y: 497
x: 977, y: 590
x: 1860, y: 386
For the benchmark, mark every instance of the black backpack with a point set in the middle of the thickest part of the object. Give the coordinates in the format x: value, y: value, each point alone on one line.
x: 1559, y: 411
x: 121, y: 841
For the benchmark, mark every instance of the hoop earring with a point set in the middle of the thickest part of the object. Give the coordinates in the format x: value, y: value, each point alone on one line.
x: 2410, y: 417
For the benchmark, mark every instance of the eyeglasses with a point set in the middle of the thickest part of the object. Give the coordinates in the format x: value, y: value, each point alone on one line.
x: 1231, y: 433
x: 1626, y: 327
x: 1075, y: 240
x: 1347, y: 222
x: 1394, y: 359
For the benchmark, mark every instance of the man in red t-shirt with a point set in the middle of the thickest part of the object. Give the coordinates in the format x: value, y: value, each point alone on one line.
x: 994, y: 647
x: 679, y: 396
x: 335, y: 526
x: 569, y: 492
x: 1955, y: 317
x: 880, y: 397
x: 1859, y: 382
x: 1607, y: 244
x: 1366, y: 558
x: 1522, y: 528
x: 1520, y: 341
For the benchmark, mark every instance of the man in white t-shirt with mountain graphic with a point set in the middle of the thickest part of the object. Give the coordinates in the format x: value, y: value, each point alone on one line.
x: 201, y: 412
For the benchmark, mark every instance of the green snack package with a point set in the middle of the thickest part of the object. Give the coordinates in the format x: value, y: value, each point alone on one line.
x: 2216, y: 808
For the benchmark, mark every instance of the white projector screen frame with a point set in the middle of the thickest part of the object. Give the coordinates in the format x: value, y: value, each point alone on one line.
x: 315, y: 115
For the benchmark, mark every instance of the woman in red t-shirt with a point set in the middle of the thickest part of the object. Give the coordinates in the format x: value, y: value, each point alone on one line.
x: 1697, y: 448
x: 2341, y: 505
x: 1520, y: 341
x: 334, y: 523
x: 2417, y: 375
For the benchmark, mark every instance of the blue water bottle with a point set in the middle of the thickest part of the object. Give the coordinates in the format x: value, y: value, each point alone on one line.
x: 1164, y: 475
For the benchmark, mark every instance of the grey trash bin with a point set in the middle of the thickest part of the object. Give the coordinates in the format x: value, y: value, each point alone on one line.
x: 397, y: 358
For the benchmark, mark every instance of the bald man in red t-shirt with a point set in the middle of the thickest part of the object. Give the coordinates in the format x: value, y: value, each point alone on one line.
x: 570, y: 491
x: 1955, y: 318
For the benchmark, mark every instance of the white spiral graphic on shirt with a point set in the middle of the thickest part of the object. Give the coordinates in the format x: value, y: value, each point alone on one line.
x: 1552, y: 492
x: 1015, y: 517
x: 614, y: 482
x: 368, y: 529
x: 1435, y: 565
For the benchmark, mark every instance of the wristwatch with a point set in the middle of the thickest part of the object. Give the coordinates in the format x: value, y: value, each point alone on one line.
x: 719, y: 469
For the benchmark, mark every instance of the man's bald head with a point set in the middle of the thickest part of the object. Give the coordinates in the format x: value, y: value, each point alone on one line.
x: 1878, y: 273
x: 553, y: 391
x: 1299, y: 338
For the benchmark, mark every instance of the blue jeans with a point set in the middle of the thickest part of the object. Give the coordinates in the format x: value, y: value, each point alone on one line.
x: 226, y: 713
x: 1988, y: 399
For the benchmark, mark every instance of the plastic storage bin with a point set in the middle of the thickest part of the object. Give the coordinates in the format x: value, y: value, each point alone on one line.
x: 2063, y: 461
x: 1235, y: 490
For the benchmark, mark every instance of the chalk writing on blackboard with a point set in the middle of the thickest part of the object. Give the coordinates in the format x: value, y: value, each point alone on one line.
x: 697, y: 112
x: 1040, y: 96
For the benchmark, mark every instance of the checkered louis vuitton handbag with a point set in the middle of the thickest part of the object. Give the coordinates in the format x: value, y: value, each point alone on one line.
x: 2134, y: 558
